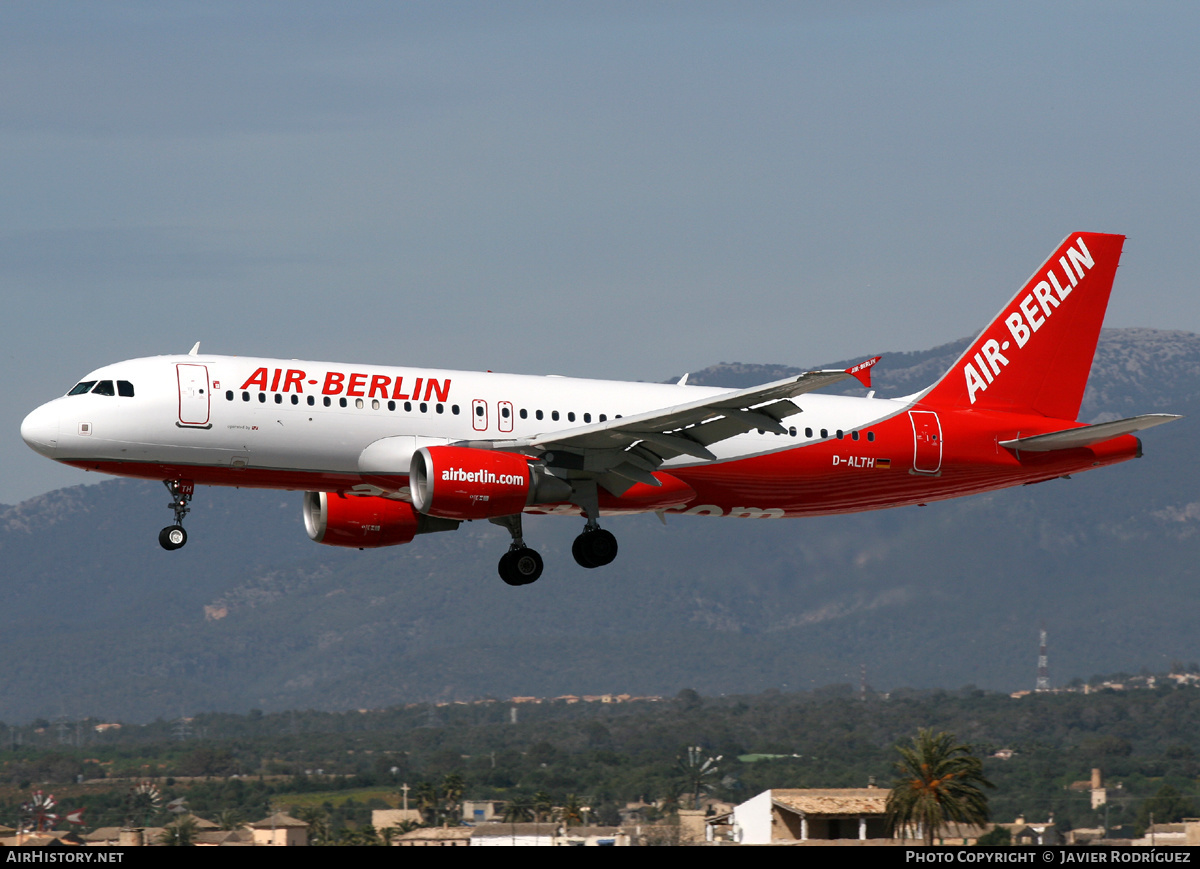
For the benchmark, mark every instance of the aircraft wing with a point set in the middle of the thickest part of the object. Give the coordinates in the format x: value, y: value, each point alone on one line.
x: 619, y: 452
x: 1087, y: 435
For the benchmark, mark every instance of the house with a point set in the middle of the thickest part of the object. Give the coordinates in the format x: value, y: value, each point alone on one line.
x: 436, y: 836
x: 526, y: 835
x: 806, y: 814
x: 280, y: 829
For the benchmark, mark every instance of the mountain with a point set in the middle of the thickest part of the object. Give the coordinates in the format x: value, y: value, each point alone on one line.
x: 100, y: 621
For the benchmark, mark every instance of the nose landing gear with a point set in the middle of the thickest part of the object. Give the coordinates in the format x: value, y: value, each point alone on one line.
x: 173, y: 536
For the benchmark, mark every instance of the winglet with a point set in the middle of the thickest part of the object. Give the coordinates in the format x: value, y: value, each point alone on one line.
x: 862, y: 371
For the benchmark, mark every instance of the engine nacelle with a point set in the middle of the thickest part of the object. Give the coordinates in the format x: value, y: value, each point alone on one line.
x: 469, y: 483
x: 365, y: 521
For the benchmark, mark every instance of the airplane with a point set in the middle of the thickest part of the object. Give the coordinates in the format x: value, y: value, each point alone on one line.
x: 385, y: 453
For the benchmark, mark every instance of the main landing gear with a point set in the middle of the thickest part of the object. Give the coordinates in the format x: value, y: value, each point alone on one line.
x: 173, y: 536
x: 595, y: 547
x: 520, y: 565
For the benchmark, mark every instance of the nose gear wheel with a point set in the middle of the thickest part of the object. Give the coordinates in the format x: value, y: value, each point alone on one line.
x: 173, y: 536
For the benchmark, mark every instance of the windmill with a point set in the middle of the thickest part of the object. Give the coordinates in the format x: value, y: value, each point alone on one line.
x: 143, y: 803
x: 38, y: 812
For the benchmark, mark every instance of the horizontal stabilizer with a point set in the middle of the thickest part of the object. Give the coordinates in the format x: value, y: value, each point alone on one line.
x: 1087, y: 435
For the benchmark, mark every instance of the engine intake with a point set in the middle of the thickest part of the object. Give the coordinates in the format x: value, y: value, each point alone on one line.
x: 469, y: 483
x: 365, y: 521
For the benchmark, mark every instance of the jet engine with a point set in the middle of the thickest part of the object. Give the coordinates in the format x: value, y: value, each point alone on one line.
x: 365, y: 521
x: 469, y: 483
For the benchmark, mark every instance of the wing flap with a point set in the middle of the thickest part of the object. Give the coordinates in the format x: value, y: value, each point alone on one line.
x: 1085, y: 436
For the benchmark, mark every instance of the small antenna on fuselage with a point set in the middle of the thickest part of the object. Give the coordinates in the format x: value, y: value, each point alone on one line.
x: 195, y: 349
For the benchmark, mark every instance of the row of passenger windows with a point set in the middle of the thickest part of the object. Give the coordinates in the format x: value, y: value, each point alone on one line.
x: 103, y: 387
x: 423, y: 407
x: 342, y: 402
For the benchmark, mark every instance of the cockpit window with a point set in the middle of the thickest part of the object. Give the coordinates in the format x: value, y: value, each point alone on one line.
x: 81, y: 388
x: 104, y: 387
x: 124, y: 389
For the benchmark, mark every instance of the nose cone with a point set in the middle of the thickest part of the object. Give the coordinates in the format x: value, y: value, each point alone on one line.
x: 40, y: 430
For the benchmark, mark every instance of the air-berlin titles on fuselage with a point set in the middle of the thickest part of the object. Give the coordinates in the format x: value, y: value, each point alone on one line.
x: 353, y: 385
x: 1036, y: 306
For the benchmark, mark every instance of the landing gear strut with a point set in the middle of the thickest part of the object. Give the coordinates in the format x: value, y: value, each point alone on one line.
x: 173, y: 536
x: 520, y: 565
x: 595, y: 547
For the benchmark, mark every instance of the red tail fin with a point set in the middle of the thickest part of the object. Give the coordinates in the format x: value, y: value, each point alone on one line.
x: 1036, y: 355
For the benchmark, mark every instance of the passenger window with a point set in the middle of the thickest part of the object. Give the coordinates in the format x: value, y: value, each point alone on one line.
x: 104, y: 387
x: 391, y: 405
x: 229, y: 395
x: 792, y: 431
x: 554, y: 415
x: 245, y: 396
x: 603, y: 418
x: 840, y: 434
x: 808, y: 432
x: 587, y: 417
x: 853, y: 435
x: 341, y: 402
x: 358, y: 402
x: 262, y: 398
x: 424, y: 407
x: 824, y: 432
x: 125, y: 389
x: 870, y: 435
x: 328, y: 401
x: 439, y: 408
x: 408, y: 407
x: 454, y: 409
x: 538, y: 414
x: 524, y: 413
x: 479, y: 410
x: 81, y: 388
x: 295, y: 399
x: 278, y: 398
x: 503, y: 412
x: 311, y: 401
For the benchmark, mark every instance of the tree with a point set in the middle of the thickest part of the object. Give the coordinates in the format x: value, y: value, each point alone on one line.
x: 937, y: 782
x: 182, y: 832
x: 1168, y: 806
x: 519, y: 810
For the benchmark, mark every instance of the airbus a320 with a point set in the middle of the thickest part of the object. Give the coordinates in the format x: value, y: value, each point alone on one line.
x: 385, y: 453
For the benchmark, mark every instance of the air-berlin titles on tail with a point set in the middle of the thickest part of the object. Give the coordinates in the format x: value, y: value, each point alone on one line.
x: 354, y: 385
x: 1031, y: 314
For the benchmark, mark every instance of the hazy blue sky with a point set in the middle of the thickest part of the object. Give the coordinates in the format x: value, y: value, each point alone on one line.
x: 625, y: 190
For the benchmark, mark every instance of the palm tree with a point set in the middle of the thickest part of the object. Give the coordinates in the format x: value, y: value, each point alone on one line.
x: 182, y: 832
x: 572, y: 812
x: 452, y: 792
x: 938, y: 782
x: 518, y: 811
x: 543, y: 806
x: 318, y: 824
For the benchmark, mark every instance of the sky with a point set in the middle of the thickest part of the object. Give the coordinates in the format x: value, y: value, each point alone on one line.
x: 615, y: 190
